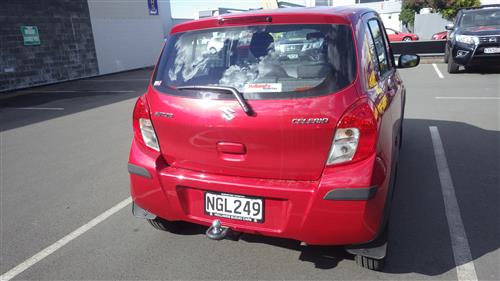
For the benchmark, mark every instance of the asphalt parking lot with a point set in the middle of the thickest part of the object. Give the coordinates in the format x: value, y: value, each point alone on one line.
x: 64, y: 151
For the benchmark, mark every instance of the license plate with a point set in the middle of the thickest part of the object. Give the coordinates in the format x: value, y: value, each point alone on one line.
x: 493, y: 50
x: 236, y: 207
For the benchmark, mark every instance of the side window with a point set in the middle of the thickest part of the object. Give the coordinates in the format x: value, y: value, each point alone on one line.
x: 390, y: 31
x: 380, y: 49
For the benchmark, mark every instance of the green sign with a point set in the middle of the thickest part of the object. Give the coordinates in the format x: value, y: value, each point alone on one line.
x: 30, y: 35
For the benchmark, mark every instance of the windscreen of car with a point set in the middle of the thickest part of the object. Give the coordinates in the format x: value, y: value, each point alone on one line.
x: 480, y: 18
x: 260, y: 61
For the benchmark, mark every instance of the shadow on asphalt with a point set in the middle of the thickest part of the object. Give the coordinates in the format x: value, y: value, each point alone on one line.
x: 419, y: 235
x: 480, y: 70
x: 84, y: 95
x: 419, y: 239
x: 323, y: 257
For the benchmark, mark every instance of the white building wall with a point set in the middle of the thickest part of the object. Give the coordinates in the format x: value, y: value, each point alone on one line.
x: 490, y: 2
x: 391, y: 20
x: 388, y: 10
x: 166, y: 18
x: 125, y: 35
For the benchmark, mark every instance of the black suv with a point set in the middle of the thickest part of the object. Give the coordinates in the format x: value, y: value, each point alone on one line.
x: 474, y: 38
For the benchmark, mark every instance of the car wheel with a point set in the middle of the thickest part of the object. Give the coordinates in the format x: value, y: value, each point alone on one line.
x: 452, y: 65
x: 400, y: 143
x: 212, y: 50
x: 164, y: 225
x: 407, y: 39
x: 370, y: 263
x: 470, y: 69
x: 445, y: 55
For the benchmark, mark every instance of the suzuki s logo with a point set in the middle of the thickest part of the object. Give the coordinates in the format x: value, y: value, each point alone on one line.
x: 492, y: 39
x: 227, y: 113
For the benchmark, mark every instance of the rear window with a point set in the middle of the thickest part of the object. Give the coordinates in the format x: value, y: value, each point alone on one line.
x: 262, y: 62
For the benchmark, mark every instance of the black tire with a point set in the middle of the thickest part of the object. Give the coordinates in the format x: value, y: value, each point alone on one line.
x: 212, y: 50
x: 164, y: 225
x: 406, y: 39
x: 400, y: 144
x: 445, y: 55
x: 370, y: 263
x: 452, y: 65
x: 470, y: 69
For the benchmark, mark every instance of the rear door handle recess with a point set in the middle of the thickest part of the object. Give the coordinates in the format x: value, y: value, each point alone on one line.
x: 231, y: 148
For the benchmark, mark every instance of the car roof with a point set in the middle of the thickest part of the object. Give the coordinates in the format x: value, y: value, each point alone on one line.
x: 481, y: 8
x: 344, y: 14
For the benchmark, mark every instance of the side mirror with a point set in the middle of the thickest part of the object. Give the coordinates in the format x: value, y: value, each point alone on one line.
x: 449, y: 26
x: 407, y: 61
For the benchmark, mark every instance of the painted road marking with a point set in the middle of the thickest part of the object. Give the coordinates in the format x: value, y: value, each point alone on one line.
x: 468, y: 98
x: 37, y: 108
x: 459, y: 243
x: 115, y: 80
x: 74, y: 91
x: 63, y: 241
x: 440, y: 75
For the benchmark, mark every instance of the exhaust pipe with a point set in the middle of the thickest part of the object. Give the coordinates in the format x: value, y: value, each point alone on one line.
x: 217, y: 231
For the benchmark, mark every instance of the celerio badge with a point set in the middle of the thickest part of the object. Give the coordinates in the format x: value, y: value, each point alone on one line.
x: 309, y: 121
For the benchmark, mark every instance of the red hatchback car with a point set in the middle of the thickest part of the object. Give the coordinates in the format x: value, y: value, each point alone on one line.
x: 395, y: 36
x: 301, y: 146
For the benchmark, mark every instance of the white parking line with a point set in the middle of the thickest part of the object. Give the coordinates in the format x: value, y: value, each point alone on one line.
x: 74, y: 91
x: 468, y: 98
x: 114, y: 80
x: 38, y: 108
x: 63, y: 241
x: 459, y: 243
x: 440, y: 75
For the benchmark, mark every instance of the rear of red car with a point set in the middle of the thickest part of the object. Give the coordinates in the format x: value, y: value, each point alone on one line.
x: 272, y: 141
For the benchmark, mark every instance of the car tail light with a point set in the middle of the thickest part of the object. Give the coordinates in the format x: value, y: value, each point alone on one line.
x: 143, y: 127
x: 356, y: 135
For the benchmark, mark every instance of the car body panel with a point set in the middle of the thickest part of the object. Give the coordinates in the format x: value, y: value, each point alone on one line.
x: 275, y: 146
x: 440, y: 35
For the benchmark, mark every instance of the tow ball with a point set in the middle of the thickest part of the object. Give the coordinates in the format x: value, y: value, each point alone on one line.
x: 217, y: 231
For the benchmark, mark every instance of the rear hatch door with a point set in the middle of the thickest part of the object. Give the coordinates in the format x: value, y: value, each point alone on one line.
x: 295, y: 102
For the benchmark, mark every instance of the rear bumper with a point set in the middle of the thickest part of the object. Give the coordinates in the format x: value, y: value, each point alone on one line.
x: 344, y: 207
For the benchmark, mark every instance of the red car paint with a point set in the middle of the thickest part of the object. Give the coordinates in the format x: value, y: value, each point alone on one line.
x: 269, y: 155
x: 395, y: 35
x: 440, y: 35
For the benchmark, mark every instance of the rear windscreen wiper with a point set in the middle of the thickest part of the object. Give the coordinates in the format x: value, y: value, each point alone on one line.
x: 246, y: 107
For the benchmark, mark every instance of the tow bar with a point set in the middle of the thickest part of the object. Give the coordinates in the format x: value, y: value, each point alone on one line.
x: 217, y: 231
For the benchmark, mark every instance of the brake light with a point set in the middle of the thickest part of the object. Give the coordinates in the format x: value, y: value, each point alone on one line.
x: 245, y: 20
x: 143, y: 127
x: 356, y: 135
